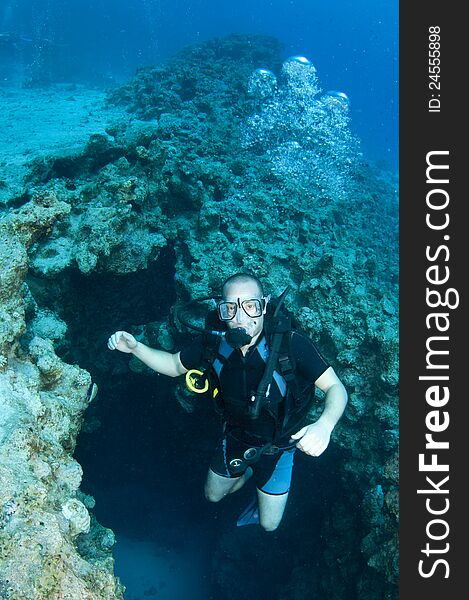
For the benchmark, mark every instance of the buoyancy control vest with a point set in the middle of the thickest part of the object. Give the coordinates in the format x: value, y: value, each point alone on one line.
x: 280, y: 404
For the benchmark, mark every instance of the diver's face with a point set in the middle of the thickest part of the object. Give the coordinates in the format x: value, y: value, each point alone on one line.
x: 238, y: 293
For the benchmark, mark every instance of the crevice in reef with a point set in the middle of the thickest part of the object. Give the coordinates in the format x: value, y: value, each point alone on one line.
x: 145, y: 465
x: 145, y: 457
x: 95, y: 305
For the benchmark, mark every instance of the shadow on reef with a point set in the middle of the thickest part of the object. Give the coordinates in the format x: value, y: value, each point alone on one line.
x: 95, y: 305
x: 146, y: 464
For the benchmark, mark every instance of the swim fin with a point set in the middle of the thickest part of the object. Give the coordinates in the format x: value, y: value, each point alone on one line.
x: 250, y: 515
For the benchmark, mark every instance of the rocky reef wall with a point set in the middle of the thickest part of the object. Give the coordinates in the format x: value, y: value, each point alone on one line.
x: 230, y: 159
x: 50, y: 544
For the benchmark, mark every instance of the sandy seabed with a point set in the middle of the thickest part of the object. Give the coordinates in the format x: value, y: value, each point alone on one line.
x: 38, y: 122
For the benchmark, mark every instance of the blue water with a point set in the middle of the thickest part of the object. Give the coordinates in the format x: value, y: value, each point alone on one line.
x: 353, y: 44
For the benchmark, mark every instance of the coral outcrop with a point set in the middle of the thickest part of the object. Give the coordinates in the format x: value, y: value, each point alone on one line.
x: 43, y: 399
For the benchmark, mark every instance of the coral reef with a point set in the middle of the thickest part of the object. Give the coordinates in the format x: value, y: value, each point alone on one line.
x: 226, y: 169
x: 41, y: 411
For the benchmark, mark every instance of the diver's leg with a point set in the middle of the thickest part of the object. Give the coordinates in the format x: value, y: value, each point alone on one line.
x: 242, y: 480
x: 272, y: 495
x: 219, y: 482
x: 218, y: 486
x: 271, y: 509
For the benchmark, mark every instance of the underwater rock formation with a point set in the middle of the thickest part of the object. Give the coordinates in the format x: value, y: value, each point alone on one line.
x: 42, y: 511
x: 196, y: 170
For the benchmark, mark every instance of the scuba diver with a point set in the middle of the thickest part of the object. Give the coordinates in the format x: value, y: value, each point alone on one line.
x: 262, y: 375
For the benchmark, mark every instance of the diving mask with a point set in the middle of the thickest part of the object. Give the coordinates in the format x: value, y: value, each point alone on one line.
x: 254, y: 307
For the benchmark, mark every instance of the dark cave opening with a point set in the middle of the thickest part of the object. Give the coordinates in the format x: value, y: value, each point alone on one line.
x: 95, y: 305
x: 145, y: 460
x: 146, y: 466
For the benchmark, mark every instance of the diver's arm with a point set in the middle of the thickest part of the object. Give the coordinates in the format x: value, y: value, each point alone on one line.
x: 159, y: 360
x: 335, y: 399
x: 314, y: 438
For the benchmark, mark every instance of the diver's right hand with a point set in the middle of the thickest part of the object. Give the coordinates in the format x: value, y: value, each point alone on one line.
x: 123, y: 341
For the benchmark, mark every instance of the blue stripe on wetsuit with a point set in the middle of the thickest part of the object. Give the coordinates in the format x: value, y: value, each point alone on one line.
x: 279, y: 482
x: 228, y: 474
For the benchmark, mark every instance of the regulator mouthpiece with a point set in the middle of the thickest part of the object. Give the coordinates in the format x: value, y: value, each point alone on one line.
x: 237, y: 337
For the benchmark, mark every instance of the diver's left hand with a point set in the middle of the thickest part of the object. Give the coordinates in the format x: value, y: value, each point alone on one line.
x: 314, y: 438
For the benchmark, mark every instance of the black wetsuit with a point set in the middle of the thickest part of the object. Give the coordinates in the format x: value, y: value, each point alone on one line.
x: 239, y: 377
